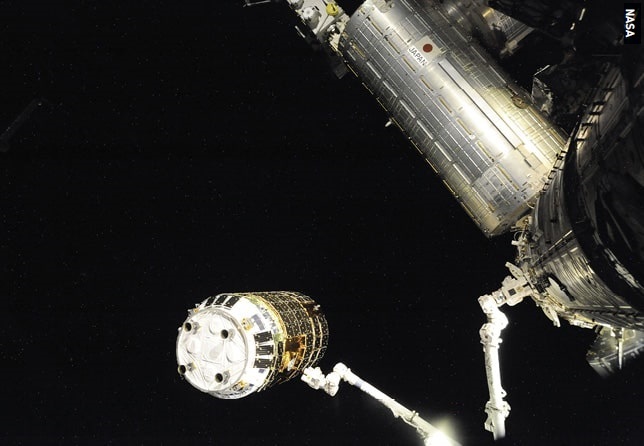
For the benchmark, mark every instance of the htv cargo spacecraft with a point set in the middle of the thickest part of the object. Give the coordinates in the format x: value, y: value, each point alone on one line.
x: 234, y: 344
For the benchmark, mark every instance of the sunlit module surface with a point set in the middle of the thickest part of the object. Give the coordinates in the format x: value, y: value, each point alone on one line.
x: 234, y: 344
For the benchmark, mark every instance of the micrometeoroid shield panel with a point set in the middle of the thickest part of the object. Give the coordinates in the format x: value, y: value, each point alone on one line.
x: 475, y: 127
x: 234, y: 344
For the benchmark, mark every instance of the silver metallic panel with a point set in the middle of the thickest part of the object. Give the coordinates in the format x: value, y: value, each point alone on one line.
x: 475, y: 127
x: 587, y: 236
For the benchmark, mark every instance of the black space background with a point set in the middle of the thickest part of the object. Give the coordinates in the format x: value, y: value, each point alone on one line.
x: 185, y: 149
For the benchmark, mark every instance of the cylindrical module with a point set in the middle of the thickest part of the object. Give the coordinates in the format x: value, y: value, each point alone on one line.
x: 586, y: 247
x: 474, y: 126
x: 234, y: 344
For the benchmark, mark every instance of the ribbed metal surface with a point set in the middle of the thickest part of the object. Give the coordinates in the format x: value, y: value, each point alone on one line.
x: 587, y: 231
x: 474, y: 127
x: 557, y: 257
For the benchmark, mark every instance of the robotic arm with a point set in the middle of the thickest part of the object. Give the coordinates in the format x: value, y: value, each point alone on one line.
x: 513, y: 290
x: 330, y: 384
x: 496, y: 408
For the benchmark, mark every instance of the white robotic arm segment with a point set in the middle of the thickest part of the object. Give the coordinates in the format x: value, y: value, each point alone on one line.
x: 317, y: 380
x: 496, y: 408
x: 513, y: 290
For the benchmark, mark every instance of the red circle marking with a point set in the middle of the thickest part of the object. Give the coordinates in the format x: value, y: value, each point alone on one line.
x: 428, y: 47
